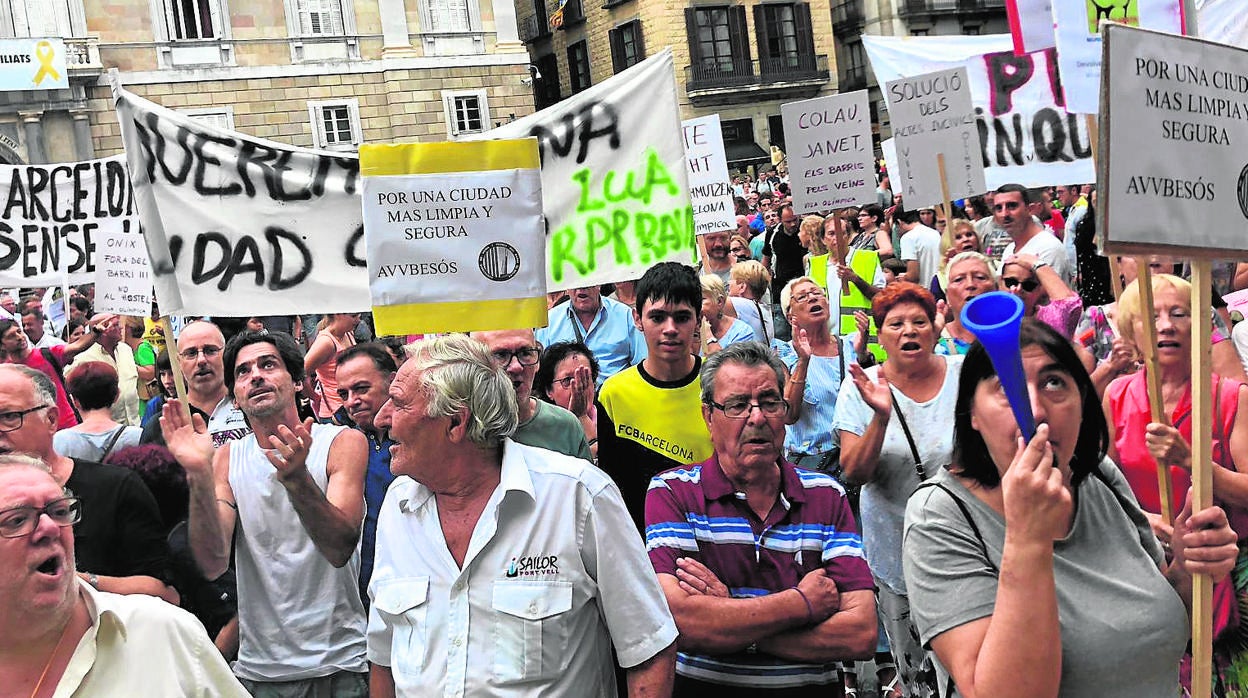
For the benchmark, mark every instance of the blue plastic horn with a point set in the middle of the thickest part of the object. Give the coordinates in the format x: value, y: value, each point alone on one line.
x: 994, y: 319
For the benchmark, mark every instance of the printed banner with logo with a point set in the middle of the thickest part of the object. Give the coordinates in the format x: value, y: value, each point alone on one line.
x: 446, y: 222
x: 237, y: 225
x: 614, y: 186
x: 33, y: 64
x: 1025, y: 134
x: 54, y: 215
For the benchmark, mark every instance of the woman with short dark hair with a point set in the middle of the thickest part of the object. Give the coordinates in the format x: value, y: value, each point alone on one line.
x: 93, y: 389
x: 1042, y: 544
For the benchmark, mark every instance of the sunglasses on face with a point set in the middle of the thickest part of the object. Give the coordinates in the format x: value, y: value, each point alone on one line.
x: 1028, y: 286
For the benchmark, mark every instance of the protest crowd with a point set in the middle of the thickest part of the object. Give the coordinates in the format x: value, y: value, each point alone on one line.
x: 742, y: 478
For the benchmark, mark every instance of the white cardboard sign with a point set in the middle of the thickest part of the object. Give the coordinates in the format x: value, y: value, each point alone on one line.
x: 123, y: 283
x: 831, y: 161
x: 709, y: 188
x: 932, y: 115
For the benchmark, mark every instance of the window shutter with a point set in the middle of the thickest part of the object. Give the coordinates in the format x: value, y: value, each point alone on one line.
x: 740, y: 38
x: 691, y: 33
x: 617, y: 49
x: 805, y: 36
x: 760, y: 32
x: 640, y: 40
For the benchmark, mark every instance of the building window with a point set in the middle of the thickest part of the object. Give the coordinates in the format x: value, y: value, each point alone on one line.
x: 466, y: 112
x: 336, y: 124
x: 546, y: 82
x: 320, y: 17
x: 192, y: 19
x: 971, y: 30
x: 36, y: 18
x: 449, y: 16
x: 627, y: 48
x: 785, y: 40
x: 718, y: 43
x: 918, y: 32
x: 578, y: 66
x: 220, y: 117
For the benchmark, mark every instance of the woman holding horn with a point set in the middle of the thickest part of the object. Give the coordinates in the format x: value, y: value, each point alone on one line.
x: 1029, y: 565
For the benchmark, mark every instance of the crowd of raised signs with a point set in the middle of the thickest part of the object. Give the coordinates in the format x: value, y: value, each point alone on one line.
x: 836, y: 298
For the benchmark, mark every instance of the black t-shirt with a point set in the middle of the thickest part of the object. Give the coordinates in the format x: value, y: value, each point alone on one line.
x: 787, y: 252
x: 120, y: 534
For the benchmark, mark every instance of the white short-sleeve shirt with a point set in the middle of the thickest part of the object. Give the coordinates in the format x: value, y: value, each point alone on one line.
x: 555, y: 574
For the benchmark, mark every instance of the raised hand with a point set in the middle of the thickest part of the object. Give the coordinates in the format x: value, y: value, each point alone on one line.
x: 1038, y: 503
x: 289, y: 452
x: 801, y: 345
x: 188, y: 441
x: 582, y: 395
x: 876, y: 394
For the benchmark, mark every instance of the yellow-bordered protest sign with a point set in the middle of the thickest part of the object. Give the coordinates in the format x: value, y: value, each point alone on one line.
x: 454, y: 235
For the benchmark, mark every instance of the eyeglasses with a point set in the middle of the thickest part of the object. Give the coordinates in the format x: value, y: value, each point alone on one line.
x: 564, y: 383
x: 527, y: 356
x: 208, y: 351
x: 740, y: 409
x: 809, y: 296
x: 1028, y: 286
x: 21, y: 521
x: 12, y: 421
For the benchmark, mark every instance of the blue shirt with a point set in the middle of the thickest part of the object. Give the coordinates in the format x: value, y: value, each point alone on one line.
x: 377, y: 480
x: 612, y: 336
x: 811, y: 434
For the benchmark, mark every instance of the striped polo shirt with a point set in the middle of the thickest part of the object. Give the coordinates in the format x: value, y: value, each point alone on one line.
x: 695, y: 512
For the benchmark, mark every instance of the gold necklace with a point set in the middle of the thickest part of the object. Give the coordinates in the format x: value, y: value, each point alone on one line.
x: 48, y: 664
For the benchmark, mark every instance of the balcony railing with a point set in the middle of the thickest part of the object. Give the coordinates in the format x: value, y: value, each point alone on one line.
x: 854, y: 78
x: 936, y: 7
x: 533, y: 28
x: 738, y: 72
x: 847, y: 15
x: 82, y: 55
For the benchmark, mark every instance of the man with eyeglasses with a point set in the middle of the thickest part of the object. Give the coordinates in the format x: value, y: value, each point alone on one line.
x: 1027, y: 235
x: 199, y: 347
x: 760, y: 560
x: 541, y: 424
x: 120, y: 540
x: 59, y: 635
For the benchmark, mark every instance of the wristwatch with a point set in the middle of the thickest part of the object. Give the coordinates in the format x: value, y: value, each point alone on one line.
x: 94, y: 580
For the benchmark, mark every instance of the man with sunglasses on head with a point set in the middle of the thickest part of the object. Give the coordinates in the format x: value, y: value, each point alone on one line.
x: 760, y: 561
x: 1027, y: 235
x: 120, y: 539
x: 61, y: 636
x: 541, y: 424
x: 199, y: 348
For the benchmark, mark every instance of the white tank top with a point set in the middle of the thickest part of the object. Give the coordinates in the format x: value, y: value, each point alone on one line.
x: 299, y: 617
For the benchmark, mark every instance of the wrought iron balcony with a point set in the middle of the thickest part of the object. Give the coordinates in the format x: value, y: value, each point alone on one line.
x: 942, y: 7
x: 740, y: 73
x: 847, y: 16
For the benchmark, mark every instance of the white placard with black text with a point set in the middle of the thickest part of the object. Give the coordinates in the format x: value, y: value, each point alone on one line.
x: 709, y: 188
x: 831, y: 160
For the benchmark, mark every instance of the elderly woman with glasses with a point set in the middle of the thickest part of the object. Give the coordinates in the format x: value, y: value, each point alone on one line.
x: 566, y: 377
x: 895, y: 424
x: 1045, y: 296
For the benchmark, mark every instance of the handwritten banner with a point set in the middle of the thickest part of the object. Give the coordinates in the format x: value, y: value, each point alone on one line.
x: 53, y: 215
x: 123, y: 284
x: 713, y: 208
x: 448, y: 222
x: 1025, y: 134
x: 830, y: 155
x: 614, y: 185
x: 237, y: 225
x: 1188, y: 190
x: 932, y: 116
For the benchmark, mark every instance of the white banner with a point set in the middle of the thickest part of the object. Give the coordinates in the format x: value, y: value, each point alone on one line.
x: 831, y: 161
x: 1185, y: 99
x: 932, y: 117
x: 1025, y: 134
x: 1223, y: 21
x: 1031, y: 24
x: 888, y: 147
x: 53, y: 215
x: 237, y: 225
x: 123, y: 283
x: 614, y: 188
x: 709, y: 187
x: 1079, y: 40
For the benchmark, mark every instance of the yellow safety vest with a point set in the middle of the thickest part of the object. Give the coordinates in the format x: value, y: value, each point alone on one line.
x: 865, y: 263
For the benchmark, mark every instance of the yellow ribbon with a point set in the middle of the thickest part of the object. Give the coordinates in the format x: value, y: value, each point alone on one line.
x: 45, y: 54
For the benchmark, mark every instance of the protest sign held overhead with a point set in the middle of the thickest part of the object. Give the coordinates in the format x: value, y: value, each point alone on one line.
x: 831, y: 159
x: 614, y: 185
x: 1025, y: 134
x: 447, y: 222
x: 53, y: 215
x: 123, y: 282
x: 1188, y: 189
x: 1031, y: 24
x: 713, y: 209
x: 933, y: 117
x: 237, y: 225
x: 1079, y: 40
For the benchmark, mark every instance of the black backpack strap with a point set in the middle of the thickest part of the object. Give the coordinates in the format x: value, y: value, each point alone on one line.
x: 966, y: 513
x: 60, y: 376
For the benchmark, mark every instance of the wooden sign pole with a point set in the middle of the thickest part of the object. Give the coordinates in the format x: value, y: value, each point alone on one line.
x: 842, y: 249
x: 1202, y: 471
x: 1147, y: 344
x: 946, y: 237
x: 179, y: 384
x: 1115, y: 277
